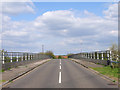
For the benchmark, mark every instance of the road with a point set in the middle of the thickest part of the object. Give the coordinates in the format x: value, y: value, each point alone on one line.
x: 61, y: 74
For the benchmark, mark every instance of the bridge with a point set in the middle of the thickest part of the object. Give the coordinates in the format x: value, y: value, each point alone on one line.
x: 35, y: 70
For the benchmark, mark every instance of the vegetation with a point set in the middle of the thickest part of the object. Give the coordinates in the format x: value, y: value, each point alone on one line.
x: 1, y: 81
x: 59, y: 57
x: 49, y: 53
x: 69, y: 54
x: 114, y: 51
x: 3, y: 50
x: 107, y: 71
x: 2, y: 70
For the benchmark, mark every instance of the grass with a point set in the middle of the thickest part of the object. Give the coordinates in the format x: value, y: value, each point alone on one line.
x: 2, y: 70
x: 107, y: 70
x: 9, y: 68
x: 2, y: 81
x: 11, y: 81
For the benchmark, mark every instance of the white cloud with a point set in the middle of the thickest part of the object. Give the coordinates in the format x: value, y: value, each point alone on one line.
x: 14, y: 8
x: 112, y: 12
x: 6, y: 18
x: 114, y: 33
x: 14, y: 33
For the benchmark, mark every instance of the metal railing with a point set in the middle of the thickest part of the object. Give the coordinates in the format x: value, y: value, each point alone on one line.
x: 14, y: 59
x: 101, y: 57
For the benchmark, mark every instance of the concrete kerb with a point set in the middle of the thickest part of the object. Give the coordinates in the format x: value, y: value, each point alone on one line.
x: 23, y: 73
x: 104, y: 76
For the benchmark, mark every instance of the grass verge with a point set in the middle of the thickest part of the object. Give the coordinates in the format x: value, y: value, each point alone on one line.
x: 107, y: 70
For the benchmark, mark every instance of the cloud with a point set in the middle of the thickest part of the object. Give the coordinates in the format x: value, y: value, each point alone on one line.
x: 15, y: 8
x: 111, y: 12
x: 14, y: 33
x: 62, y: 30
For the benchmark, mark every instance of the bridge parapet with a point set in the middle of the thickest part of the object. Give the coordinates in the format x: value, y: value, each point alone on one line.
x: 14, y: 59
x: 100, y: 57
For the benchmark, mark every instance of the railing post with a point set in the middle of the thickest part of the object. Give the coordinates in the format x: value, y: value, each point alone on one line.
x: 31, y: 56
x: 3, y: 58
x: 94, y: 55
x: 88, y: 55
x: 102, y: 55
x: 110, y: 55
x: 25, y: 56
x: 35, y: 56
x: 98, y: 55
x: 91, y: 55
x: 117, y: 57
x: 11, y: 57
x: 17, y: 57
x: 107, y: 55
x: 22, y: 56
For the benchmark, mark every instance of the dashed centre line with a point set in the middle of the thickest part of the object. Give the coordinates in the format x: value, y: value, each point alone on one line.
x: 60, y: 67
x: 60, y: 61
x: 59, y: 77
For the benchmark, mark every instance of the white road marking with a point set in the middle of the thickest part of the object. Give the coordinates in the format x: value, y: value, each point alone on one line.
x: 60, y: 61
x: 60, y: 67
x: 59, y: 77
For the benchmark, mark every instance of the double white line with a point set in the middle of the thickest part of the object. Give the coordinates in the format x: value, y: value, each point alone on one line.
x: 60, y: 73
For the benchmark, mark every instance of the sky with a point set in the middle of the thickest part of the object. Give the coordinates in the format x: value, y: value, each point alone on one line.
x: 62, y: 27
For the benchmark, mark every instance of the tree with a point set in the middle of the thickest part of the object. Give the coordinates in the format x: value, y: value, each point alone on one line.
x: 3, y: 50
x: 69, y: 54
x: 50, y: 53
x: 114, y: 50
x: 59, y: 57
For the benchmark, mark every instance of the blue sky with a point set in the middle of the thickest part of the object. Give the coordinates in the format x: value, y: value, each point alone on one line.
x: 42, y: 7
x: 62, y: 27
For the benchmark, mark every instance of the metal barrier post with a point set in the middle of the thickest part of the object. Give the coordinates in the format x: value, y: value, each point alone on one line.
x: 102, y: 55
x: 11, y: 57
x: 25, y: 56
x: 88, y: 56
x: 22, y: 56
x: 17, y: 57
x: 94, y: 55
x: 3, y: 58
x: 97, y: 55
x: 91, y: 55
x: 108, y: 56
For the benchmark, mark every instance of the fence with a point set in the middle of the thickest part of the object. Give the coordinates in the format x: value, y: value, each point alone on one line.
x: 99, y: 57
x: 14, y: 59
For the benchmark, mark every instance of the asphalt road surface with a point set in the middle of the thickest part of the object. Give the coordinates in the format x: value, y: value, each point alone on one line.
x: 61, y: 74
